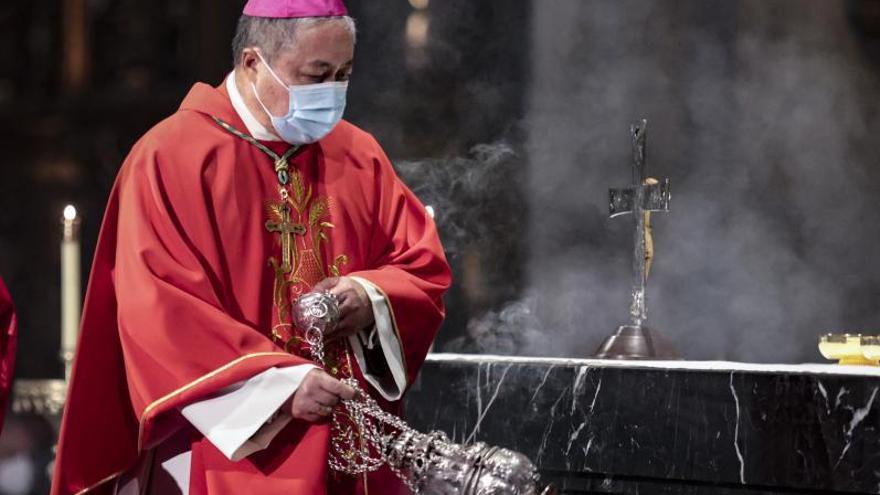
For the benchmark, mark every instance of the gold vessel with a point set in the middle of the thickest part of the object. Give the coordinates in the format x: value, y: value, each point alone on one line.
x: 851, y: 349
x: 870, y: 345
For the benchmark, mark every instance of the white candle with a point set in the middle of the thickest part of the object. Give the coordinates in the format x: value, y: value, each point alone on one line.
x: 70, y: 286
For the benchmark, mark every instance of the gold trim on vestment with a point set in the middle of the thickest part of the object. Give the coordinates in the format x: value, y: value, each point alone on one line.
x: 157, y: 403
x: 225, y: 367
x: 96, y: 485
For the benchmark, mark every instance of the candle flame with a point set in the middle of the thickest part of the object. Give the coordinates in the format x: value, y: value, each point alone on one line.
x: 69, y: 213
x: 417, y: 27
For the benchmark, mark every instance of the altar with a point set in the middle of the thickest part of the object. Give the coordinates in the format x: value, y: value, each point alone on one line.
x: 676, y: 427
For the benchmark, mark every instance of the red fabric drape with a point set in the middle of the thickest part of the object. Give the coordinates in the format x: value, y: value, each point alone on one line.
x: 8, y: 331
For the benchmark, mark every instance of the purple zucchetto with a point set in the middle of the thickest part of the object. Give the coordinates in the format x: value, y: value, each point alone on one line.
x: 291, y: 9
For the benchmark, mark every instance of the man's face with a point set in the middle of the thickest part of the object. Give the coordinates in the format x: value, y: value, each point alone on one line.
x: 321, y: 53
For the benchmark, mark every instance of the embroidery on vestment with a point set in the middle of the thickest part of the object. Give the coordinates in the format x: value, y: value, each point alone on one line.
x: 301, y: 221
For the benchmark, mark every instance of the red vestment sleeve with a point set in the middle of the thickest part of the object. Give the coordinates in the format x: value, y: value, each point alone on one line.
x: 159, y: 328
x: 408, y: 265
x: 7, y: 347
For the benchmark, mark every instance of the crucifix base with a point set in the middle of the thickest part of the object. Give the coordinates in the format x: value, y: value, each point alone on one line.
x: 636, y: 342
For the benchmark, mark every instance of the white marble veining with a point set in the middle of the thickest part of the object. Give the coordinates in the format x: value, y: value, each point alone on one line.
x: 575, y: 389
x: 858, y: 415
x: 479, y: 392
x: 596, y: 395
x: 739, y: 454
x: 540, y: 385
x: 574, y: 436
x: 548, y: 429
x: 822, y: 390
x: 809, y: 368
x: 482, y: 414
x: 588, y: 445
x: 824, y: 393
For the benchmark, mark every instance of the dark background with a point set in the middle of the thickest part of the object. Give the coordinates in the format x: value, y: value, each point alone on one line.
x: 511, y: 118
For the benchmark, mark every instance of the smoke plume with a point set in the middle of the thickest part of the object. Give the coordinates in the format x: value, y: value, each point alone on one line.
x: 766, y: 125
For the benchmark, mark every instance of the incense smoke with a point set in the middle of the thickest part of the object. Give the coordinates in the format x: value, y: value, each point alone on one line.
x: 465, y: 193
x: 767, y: 126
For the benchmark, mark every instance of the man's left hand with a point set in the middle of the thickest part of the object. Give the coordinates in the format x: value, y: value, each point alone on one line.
x: 355, y: 308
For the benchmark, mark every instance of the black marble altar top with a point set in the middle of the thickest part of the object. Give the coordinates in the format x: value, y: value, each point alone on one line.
x: 733, y: 425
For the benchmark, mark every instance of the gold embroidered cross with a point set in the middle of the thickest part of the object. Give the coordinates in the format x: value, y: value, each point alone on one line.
x: 287, y: 229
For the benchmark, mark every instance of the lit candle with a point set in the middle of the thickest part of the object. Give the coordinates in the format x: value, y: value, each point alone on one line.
x: 70, y: 286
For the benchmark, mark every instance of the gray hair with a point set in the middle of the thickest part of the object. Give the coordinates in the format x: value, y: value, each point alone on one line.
x: 273, y: 35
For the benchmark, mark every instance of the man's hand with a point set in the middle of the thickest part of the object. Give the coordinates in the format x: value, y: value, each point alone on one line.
x: 355, y: 308
x: 317, y: 395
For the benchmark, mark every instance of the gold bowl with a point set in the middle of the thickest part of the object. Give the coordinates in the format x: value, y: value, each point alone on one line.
x: 870, y: 345
x: 847, y: 349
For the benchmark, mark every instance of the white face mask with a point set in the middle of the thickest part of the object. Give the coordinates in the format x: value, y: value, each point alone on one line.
x: 313, y: 109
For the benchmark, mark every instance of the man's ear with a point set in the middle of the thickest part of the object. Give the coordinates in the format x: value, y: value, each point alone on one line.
x: 249, y: 62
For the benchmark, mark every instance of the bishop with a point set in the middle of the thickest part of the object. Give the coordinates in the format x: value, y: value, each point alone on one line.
x: 190, y: 377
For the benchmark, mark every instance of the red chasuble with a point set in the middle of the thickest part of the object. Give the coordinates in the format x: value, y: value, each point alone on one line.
x: 7, y: 347
x: 180, y: 300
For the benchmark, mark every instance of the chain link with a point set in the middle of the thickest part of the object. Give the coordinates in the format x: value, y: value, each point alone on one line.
x: 364, y: 437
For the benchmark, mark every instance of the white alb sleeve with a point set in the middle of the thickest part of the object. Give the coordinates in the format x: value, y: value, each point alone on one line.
x: 236, y: 420
x: 390, y: 387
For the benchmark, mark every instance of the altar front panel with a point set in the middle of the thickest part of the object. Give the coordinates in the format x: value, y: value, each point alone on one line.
x: 653, y: 427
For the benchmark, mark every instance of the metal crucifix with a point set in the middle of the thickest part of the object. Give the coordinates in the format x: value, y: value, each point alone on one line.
x: 642, y: 198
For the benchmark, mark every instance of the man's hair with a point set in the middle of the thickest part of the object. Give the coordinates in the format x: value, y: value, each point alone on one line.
x: 273, y: 35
